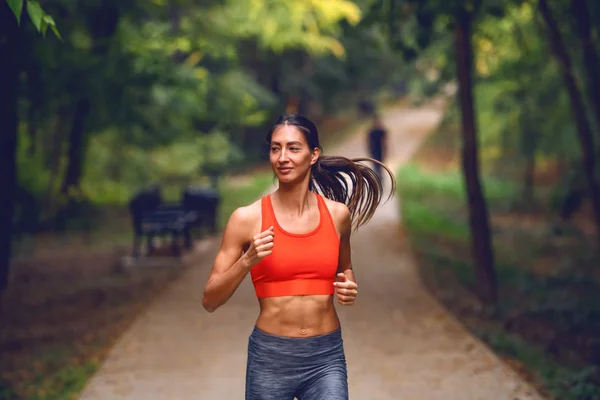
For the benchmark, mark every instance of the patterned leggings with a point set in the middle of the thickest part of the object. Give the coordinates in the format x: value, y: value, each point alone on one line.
x: 283, y: 368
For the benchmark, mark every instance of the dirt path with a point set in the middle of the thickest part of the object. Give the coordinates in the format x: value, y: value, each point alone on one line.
x: 400, y: 343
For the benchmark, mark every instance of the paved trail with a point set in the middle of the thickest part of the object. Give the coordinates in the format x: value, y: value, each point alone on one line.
x: 400, y: 343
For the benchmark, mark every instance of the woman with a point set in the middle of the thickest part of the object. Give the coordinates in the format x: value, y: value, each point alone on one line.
x: 295, y: 243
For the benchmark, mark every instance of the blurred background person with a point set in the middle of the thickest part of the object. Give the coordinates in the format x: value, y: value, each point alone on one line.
x: 376, y: 142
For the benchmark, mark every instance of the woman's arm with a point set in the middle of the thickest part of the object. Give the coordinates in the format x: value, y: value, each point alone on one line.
x: 231, y: 264
x: 346, y: 287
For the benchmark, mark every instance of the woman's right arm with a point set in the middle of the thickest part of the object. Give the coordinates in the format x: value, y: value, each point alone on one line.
x: 231, y: 264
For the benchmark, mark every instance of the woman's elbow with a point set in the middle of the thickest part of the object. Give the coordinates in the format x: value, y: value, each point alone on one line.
x: 208, y: 304
x: 211, y: 300
x: 209, y: 308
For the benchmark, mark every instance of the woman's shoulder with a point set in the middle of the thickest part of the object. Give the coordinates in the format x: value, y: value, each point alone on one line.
x: 245, y: 222
x: 339, y: 211
x: 247, y: 215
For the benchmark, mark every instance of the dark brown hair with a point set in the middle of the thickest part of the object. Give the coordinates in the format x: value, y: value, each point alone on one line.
x: 350, y: 181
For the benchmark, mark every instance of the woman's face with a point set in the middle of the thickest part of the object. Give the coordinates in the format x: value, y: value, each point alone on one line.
x: 290, y: 156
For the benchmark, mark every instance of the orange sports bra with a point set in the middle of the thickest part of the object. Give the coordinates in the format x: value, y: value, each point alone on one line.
x: 300, y: 264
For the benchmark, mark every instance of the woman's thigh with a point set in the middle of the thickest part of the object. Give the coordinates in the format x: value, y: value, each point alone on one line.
x: 268, y: 375
x: 330, y: 383
x: 268, y: 384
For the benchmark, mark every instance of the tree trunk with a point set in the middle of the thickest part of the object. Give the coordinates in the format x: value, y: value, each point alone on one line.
x: 54, y: 145
x: 584, y: 129
x: 485, y: 274
x: 9, y: 77
x: 529, y: 142
x: 76, y: 147
x: 590, y: 55
x: 102, y: 24
x: 528, y: 148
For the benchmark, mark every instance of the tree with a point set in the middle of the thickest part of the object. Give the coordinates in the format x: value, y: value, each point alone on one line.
x: 10, y: 18
x: 591, y: 60
x: 9, y: 77
x: 486, y: 285
x: 584, y: 129
x: 458, y: 16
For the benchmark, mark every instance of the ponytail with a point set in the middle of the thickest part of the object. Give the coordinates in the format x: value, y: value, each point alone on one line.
x: 351, y: 182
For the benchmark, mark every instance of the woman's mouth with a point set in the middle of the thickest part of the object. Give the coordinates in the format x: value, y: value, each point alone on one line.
x: 284, y: 170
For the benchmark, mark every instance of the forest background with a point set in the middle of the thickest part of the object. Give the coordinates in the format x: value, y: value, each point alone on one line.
x: 502, y: 205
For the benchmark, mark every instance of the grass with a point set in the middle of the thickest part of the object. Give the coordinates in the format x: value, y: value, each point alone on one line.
x: 546, y: 323
x: 436, y: 202
x: 62, y: 385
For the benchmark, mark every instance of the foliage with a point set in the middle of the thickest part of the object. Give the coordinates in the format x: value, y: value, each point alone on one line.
x: 521, y: 94
x: 280, y: 25
x: 39, y: 18
x: 177, y: 90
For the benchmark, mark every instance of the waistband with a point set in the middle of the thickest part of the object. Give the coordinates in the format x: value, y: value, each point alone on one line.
x: 325, y: 339
x: 296, y: 352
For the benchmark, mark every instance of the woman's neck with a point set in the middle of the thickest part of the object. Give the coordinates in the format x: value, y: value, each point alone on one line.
x: 294, y: 198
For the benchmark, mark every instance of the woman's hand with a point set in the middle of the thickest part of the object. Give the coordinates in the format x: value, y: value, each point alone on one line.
x: 260, y: 247
x: 346, y: 290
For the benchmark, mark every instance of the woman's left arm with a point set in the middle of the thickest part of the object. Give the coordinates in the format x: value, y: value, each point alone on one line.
x: 345, y: 287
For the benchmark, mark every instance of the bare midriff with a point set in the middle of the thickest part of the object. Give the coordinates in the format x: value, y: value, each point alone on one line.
x: 298, y: 316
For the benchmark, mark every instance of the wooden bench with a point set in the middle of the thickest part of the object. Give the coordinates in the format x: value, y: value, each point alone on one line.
x: 164, y: 220
x: 152, y: 217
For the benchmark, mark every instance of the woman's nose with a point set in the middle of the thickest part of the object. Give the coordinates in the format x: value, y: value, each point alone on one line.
x: 283, y: 156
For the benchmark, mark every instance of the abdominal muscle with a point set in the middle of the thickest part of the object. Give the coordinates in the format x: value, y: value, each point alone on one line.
x: 298, y: 316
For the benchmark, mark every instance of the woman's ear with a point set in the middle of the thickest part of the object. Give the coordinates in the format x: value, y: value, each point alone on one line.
x: 316, y: 153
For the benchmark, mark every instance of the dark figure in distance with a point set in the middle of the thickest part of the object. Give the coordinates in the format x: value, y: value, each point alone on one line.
x: 377, y: 143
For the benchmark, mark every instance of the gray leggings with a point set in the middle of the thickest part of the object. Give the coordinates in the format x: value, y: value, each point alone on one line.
x: 283, y: 368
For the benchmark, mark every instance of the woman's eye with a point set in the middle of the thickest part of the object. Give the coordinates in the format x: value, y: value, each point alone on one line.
x: 274, y: 149
x: 295, y: 148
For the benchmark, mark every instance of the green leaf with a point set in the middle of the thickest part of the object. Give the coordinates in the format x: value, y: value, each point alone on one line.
x: 50, y: 22
x: 35, y: 14
x: 56, y: 32
x: 44, y: 28
x: 17, y: 7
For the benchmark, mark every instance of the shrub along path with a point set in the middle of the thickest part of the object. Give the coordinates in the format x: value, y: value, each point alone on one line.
x: 400, y: 343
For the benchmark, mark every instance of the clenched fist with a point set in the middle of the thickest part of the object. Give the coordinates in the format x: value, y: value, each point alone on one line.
x: 346, y: 290
x: 260, y: 247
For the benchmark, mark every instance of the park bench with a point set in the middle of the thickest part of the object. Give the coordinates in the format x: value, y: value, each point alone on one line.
x: 167, y: 219
x: 153, y: 218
